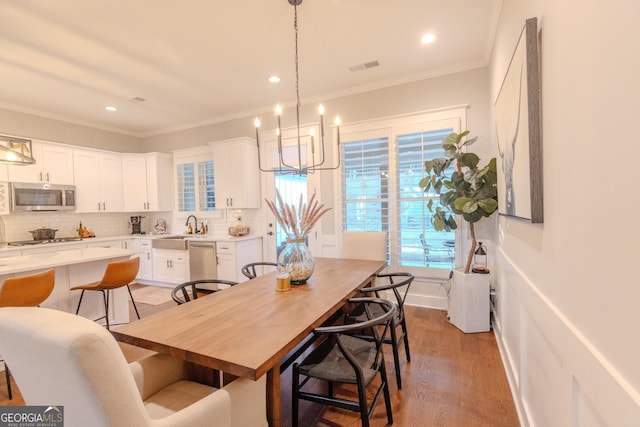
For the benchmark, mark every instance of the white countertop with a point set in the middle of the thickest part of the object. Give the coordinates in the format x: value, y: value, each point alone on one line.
x: 41, y: 261
x: 61, y: 246
x: 203, y: 237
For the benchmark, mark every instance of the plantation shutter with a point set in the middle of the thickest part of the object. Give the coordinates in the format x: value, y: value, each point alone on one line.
x: 365, y: 184
x: 414, y: 230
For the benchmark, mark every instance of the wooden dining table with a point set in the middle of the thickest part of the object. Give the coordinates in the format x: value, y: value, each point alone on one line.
x: 248, y: 329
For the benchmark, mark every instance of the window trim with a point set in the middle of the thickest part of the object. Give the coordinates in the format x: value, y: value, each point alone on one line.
x: 391, y: 127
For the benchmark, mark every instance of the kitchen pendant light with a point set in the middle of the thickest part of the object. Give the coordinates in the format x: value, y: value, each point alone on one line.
x: 301, y: 167
x: 16, y: 151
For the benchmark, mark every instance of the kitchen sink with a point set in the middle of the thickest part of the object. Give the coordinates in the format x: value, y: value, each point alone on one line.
x: 174, y: 242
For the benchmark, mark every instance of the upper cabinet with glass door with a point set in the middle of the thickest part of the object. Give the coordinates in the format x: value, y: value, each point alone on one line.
x: 194, y: 180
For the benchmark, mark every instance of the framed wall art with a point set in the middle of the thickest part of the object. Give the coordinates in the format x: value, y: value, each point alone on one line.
x: 517, y: 117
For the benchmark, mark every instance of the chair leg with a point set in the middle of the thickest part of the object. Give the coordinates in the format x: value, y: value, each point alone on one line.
x: 396, y: 356
x: 406, y: 339
x: 387, y: 395
x: 80, y: 302
x: 7, y: 375
x: 133, y: 302
x: 105, y: 297
x: 362, y: 399
x: 295, y: 388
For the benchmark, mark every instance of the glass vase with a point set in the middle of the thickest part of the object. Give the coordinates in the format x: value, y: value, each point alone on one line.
x: 297, y: 260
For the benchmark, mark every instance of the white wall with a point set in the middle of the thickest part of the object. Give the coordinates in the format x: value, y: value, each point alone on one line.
x: 568, y: 289
x: 15, y: 123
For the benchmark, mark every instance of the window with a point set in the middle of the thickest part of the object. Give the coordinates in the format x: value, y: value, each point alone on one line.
x: 290, y: 188
x: 195, y: 184
x: 186, y: 184
x: 206, y: 187
x: 382, y: 165
x: 418, y: 244
x: 365, y: 185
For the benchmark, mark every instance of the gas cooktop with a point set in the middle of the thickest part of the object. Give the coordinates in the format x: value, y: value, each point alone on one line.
x: 38, y: 242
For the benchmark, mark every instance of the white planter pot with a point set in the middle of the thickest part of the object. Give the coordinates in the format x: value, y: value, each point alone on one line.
x: 469, y: 302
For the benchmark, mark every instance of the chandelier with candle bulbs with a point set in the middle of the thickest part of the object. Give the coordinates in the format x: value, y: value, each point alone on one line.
x: 301, y: 167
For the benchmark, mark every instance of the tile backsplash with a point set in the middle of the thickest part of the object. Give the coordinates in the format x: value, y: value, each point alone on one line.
x: 17, y: 225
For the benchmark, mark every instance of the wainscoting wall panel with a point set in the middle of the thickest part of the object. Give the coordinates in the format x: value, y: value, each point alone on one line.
x: 557, y: 376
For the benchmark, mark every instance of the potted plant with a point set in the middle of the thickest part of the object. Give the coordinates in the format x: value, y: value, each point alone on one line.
x: 470, y: 190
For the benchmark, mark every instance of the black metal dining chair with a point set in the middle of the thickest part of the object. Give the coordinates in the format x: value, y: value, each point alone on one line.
x: 188, y: 291
x: 399, y: 284
x: 345, y: 358
x: 249, y: 270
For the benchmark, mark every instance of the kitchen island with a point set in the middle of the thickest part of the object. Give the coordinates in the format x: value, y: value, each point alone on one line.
x: 74, y: 267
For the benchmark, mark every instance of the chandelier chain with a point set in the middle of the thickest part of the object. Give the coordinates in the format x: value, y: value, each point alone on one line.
x: 295, y: 27
x: 309, y: 164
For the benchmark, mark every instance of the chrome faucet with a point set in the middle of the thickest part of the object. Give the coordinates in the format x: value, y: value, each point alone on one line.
x: 195, y: 230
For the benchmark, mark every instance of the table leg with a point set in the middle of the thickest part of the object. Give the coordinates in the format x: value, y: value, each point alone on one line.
x: 273, y: 397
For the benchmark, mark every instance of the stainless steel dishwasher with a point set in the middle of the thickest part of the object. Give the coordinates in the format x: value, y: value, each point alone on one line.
x: 203, y: 262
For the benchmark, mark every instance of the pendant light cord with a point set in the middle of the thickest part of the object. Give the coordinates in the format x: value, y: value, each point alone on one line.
x: 295, y: 27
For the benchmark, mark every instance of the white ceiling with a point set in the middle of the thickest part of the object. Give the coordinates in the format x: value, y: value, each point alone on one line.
x: 202, y: 61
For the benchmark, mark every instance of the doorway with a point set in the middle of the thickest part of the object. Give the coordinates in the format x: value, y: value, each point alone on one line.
x: 290, y: 187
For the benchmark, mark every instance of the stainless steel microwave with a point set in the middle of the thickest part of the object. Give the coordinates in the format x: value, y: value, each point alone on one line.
x: 42, y: 197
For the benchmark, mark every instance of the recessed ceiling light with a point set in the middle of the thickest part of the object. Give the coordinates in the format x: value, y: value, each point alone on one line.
x: 428, y: 38
x: 110, y: 108
x: 274, y: 79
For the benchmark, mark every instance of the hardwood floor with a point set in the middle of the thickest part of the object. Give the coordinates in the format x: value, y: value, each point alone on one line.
x: 453, y: 379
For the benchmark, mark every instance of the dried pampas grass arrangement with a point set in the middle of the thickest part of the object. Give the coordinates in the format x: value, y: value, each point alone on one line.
x: 297, y: 222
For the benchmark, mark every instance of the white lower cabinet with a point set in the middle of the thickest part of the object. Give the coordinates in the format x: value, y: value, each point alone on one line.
x: 170, y: 266
x: 146, y: 259
x: 118, y: 243
x: 232, y: 255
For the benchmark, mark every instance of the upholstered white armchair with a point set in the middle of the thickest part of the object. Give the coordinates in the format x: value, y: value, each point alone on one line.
x: 60, y: 359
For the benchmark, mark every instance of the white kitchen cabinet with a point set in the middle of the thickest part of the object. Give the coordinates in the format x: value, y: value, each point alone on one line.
x: 227, y: 266
x: 54, y: 164
x: 52, y: 248
x: 5, y: 193
x: 115, y: 243
x: 8, y: 253
x: 5, y: 199
x: 98, y: 178
x: 237, y: 178
x: 147, y: 182
x: 146, y: 260
x: 232, y: 255
x: 170, y: 266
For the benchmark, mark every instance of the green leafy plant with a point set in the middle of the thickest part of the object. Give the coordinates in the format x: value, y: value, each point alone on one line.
x: 470, y: 190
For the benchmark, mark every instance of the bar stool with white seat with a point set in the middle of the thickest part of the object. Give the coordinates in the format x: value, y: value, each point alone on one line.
x: 25, y: 291
x: 116, y: 275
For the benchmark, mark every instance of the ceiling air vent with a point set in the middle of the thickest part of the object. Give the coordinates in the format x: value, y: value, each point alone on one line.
x: 365, y: 66
x: 137, y: 99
